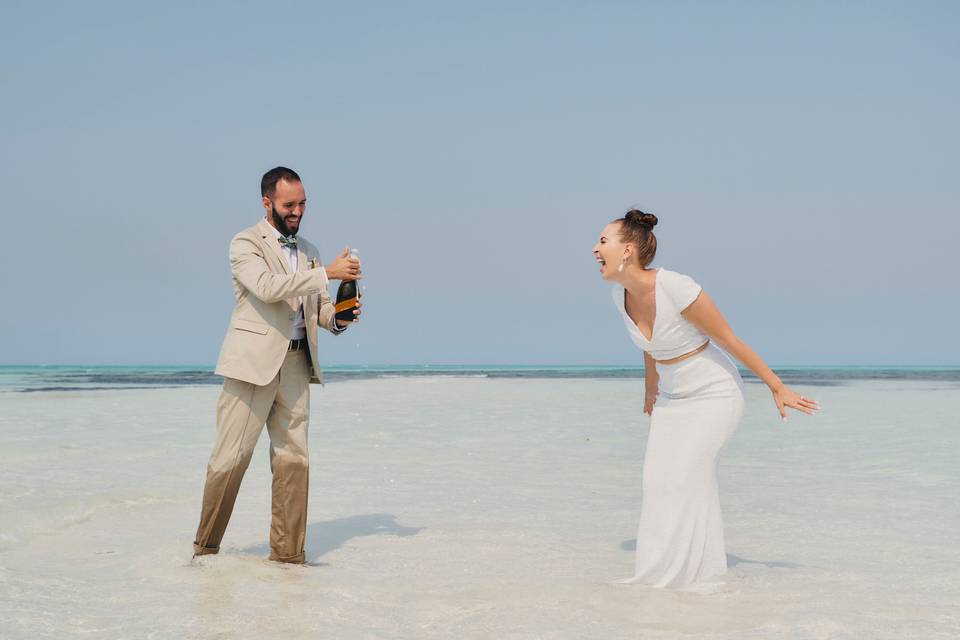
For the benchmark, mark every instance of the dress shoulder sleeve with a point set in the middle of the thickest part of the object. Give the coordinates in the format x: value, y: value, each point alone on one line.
x: 682, y: 289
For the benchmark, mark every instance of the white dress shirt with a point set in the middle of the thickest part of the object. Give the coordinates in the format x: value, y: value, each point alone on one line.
x: 299, y: 325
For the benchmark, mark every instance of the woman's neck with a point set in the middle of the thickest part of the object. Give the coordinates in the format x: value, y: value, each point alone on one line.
x: 637, y: 280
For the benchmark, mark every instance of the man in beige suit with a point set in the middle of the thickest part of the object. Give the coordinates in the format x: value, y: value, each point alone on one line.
x: 268, y: 360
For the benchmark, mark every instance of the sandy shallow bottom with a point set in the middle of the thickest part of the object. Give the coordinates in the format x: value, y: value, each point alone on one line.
x: 477, y: 508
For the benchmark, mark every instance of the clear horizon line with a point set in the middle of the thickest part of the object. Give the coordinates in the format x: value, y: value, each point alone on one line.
x: 211, y: 367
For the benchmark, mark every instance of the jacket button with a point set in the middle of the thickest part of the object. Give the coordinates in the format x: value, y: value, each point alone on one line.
x: 292, y: 316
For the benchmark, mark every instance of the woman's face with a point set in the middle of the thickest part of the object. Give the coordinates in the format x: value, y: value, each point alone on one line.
x: 609, y: 251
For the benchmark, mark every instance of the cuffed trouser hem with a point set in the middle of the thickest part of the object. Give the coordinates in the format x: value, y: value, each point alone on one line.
x: 200, y: 550
x: 297, y: 559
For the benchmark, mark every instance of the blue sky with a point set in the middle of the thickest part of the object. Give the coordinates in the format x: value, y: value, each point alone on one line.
x: 802, y: 159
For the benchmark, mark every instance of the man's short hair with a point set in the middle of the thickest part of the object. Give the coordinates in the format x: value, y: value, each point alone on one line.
x: 268, y: 183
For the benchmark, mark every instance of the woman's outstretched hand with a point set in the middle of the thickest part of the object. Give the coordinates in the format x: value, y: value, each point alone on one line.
x: 786, y: 397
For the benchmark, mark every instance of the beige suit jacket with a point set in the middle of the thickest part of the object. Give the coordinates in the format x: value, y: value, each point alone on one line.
x: 266, y: 305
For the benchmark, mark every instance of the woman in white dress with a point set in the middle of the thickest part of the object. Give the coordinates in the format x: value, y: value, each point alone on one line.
x: 694, y: 396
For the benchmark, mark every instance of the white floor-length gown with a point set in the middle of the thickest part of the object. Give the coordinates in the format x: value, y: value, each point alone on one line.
x: 680, y: 537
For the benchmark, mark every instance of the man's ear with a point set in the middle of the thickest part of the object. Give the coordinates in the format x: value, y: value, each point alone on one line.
x: 265, y: 201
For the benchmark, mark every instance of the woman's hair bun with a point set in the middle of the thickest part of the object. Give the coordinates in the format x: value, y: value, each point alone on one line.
x: 639, y: 218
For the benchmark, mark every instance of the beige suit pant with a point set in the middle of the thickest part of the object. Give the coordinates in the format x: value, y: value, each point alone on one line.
x: 243, y: 408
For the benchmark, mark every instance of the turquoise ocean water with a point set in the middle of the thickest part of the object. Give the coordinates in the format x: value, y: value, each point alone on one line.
x: 79, y: 378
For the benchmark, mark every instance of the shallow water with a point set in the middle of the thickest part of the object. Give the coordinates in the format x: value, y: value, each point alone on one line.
x: 477, y: 508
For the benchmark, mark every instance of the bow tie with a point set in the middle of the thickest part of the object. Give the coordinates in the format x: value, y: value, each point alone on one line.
x: 290, y: 242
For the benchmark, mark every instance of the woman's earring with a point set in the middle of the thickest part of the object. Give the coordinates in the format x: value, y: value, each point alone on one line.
x: 620, y: 268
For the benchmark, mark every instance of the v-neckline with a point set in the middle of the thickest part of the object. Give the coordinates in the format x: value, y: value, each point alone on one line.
x: 656, y: 312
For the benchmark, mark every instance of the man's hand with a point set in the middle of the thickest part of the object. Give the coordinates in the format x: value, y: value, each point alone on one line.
x: 343, y: 268
x: 356, y: 317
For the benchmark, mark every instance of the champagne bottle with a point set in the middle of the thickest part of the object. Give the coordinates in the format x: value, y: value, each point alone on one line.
x: 347, y: 295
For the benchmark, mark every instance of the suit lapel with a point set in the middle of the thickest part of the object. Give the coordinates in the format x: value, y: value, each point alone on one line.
x: 269, y: 237
x: 303, y: 266
x: 301, y: 259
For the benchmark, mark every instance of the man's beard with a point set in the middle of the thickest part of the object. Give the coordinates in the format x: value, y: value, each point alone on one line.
x: 280, y: 223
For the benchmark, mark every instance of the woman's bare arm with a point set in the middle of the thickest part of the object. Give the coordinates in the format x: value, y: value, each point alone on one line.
x: 652, y: 383
x: 704, y: 315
